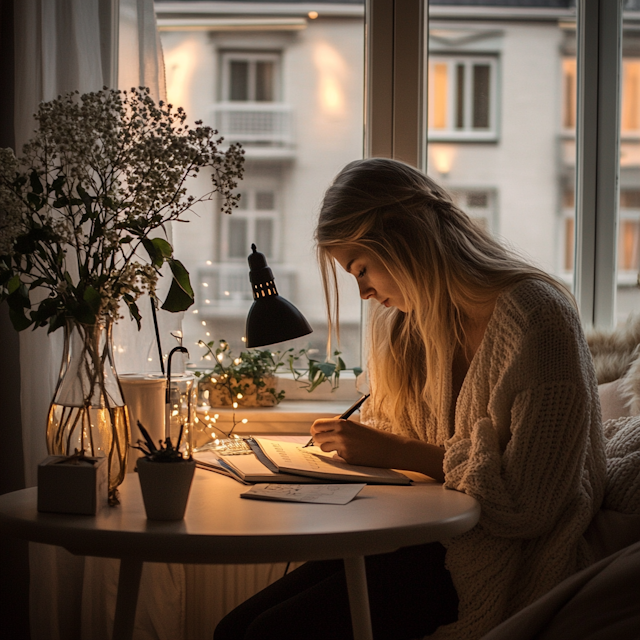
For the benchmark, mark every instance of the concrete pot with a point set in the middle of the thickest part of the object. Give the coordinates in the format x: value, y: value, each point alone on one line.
x: 165, y: 487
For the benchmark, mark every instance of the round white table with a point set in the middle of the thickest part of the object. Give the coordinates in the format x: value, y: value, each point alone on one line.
x: 221, y: 528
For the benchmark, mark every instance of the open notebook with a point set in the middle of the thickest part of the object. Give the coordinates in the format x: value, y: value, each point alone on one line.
x: 290, y: 457
x: 245, y: 468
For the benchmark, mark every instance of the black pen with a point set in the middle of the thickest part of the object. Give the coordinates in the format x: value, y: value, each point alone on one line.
x: 347, y: 414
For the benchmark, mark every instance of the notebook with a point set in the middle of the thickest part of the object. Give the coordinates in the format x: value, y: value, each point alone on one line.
x: 293, y: 458
x: 245, y: 468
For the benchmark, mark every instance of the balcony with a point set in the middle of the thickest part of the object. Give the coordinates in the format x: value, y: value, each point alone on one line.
x: 265, y: 129
x: 225, y: 290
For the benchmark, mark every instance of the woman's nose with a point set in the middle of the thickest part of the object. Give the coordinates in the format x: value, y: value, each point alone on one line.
x: 366, y: 292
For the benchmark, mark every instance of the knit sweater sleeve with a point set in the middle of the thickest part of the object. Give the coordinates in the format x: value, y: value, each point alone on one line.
x: 523, y: 458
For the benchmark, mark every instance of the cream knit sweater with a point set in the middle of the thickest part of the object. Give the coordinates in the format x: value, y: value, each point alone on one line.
x: 527, y: 443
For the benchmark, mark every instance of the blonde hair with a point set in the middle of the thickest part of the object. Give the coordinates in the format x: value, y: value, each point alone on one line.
x: 444, y: 264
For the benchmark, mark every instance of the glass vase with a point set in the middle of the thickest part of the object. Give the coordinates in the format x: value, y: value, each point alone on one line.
x: 88, y: 411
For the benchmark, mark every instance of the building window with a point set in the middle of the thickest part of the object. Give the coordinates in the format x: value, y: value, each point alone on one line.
x: 250, y: 77
x: 462, y: 98
x: 569, y: 94
x: 630, y: 113
x: 254, y: 221
x: 479, y: 205
x: 630, y: 103
x: 628, y: 234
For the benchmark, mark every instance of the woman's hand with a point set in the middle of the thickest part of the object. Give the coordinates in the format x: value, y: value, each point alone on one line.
x: 352, y: 441
x: 357, y: 443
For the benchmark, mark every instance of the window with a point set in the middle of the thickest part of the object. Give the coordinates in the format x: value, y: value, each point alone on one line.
x: 290, y: 91
x: 630, y: 108
x: 569, y: 94
x: 250, y: 77
x: 462, y: 98
x: 628, y: 235
x: 255, y: 221
x: 478, y: 204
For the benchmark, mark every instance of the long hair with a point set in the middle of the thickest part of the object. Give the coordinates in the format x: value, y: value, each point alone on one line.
x: 443, y: 263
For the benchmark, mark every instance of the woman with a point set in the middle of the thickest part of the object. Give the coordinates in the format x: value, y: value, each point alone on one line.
x: 481, y: 378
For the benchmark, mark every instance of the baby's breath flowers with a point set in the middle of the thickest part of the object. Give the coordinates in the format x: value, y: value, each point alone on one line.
x: 103, y: 173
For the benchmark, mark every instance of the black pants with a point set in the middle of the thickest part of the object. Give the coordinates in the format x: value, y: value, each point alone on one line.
x: 410, y: 595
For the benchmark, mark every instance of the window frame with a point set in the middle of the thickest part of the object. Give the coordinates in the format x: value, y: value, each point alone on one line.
x: 250, y: 56
x: 467, y: 133
x: 252, y: 214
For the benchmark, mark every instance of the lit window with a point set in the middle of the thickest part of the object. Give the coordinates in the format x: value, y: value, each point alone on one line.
x: 628, y: 234
x: 630, y: 115
x: 462, y: 97
x: 250, y: 77
x: 569, y: 93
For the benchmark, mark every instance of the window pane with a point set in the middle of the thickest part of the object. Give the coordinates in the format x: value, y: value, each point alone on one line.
x: 264, y: 235
x: 294, y: 101
x: 265, y: 81
x: 238, y: 80
x: 243, y: 203
x: 519, y: 89
x: 481, y: 96
x: 440, y: 89
x: 460, y: 96
x: 569, y: 71
x: 630, y: 116
x: 238, y: 247
x: 628, y: 245
x: 265, y: 201
x: 628, y: 293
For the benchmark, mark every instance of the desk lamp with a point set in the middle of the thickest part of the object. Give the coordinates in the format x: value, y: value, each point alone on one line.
x: 271, y: 318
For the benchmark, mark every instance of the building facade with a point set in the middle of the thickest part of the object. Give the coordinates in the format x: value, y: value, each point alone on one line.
x: 286, y: 80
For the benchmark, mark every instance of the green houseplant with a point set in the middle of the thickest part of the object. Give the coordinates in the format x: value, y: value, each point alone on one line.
x: 84, y: 209
x: 250, y: 378
x: 165, y: 477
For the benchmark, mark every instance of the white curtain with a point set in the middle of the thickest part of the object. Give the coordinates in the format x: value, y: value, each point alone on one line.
x: 62, y: 46
x: 69, y: 45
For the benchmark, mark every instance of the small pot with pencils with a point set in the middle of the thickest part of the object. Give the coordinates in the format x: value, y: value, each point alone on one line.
x: 165, y: 477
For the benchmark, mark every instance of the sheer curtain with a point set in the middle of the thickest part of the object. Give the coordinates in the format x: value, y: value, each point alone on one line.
x: 61, y: 46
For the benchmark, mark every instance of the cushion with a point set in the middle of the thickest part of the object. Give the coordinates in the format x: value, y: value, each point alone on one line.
x: 613, y: 402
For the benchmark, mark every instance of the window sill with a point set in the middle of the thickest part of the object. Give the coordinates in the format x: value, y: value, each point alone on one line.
x: 290, y: 417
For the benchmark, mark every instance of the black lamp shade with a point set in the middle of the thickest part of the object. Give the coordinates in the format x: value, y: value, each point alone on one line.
x: 271, y: 318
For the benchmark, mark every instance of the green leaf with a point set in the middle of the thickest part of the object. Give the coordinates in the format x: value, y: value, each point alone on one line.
x: 133, y: 309
x: 92, y: 298
x: 85, y: 314
x: 35, y: 200
x: 177, y: 299
x: 62, y: 201
x: 357, y: 371
x: 57, y: 184
x: 86, y: 199
x: 165, y: 249
x: 328, y: 368
x: 18, y: 319
x: 34, y: 180
x: 57, y: 321
x: 13, y: 284
x: 181, y: 276
x: 159, y: 250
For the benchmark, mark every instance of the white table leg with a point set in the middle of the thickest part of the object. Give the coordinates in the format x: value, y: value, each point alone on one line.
x: 358, y: 598
x: 127, y: 600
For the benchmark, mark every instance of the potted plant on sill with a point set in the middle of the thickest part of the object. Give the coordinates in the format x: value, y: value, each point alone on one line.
x: 165, y: 477
x: 82, y: 212
x: 250, y: 380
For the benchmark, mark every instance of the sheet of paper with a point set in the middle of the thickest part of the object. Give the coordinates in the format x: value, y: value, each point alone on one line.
x: 315, y: 493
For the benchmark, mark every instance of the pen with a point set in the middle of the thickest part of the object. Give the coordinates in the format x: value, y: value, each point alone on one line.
x: 347, y: 414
